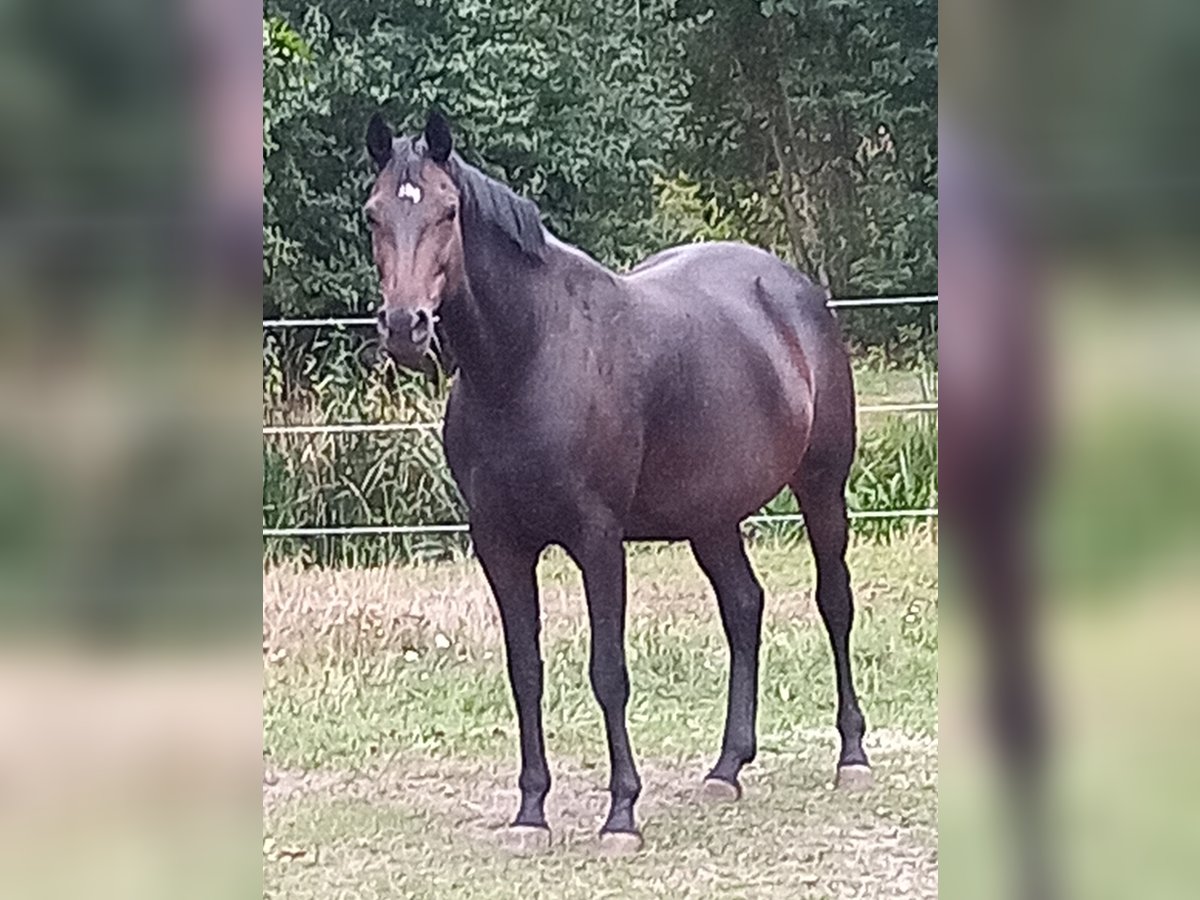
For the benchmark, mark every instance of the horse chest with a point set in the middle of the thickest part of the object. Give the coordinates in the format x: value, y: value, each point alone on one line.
x: 509, y: 476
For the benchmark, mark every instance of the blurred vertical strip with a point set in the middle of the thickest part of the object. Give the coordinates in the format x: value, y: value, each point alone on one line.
x: 130, y: 239
x: 226, y: 79
x: 130, y: 211
x: 991, y: 434
x: 1069, y: 270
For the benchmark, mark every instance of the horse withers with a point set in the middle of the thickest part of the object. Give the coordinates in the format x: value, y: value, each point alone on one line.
x: 591, y: 408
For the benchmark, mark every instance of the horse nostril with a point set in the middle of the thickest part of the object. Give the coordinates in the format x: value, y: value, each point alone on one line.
x: 382, y: 318
x: 421, y: 326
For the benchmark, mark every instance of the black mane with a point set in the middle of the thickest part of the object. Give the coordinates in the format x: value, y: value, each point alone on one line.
x: 490, y: 201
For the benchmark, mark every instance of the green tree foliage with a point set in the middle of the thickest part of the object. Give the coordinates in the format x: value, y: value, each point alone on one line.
x: 806, y: 126
x: 814, y: 122
x: 575, y: 105
x: 827, y: 108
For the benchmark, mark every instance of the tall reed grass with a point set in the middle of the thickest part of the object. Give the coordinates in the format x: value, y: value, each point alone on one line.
x: 401, y: 478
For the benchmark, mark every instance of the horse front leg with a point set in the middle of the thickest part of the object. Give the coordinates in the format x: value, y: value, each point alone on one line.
x: 511, y: 572
x: 601, y: 557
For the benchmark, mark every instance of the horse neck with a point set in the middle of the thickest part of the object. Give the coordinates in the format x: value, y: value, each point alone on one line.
x: 495, y: 326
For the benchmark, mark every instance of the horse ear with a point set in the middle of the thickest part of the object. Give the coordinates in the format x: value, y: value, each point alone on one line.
x: 379, y: 141
x: 438, y: 140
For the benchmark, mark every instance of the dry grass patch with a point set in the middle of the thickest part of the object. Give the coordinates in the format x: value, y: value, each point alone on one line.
x: 349, y: 612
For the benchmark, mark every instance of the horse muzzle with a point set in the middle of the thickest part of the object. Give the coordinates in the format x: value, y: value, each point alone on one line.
x: 406, y: 335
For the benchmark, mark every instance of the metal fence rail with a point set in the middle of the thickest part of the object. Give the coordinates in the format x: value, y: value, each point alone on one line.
x: 351, y: 321
x: 433, y: 427
x: 462, y: 527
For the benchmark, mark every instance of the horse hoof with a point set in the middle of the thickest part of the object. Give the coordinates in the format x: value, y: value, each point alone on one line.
x: 525, y: 840
x: 620, y: 843
x: 717, y: 790
x: 854, y: 777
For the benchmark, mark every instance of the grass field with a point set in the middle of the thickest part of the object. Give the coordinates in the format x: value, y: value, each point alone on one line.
x: 390, y: 741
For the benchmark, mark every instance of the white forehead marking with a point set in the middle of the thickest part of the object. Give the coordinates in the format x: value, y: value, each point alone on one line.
x: 409, y: 191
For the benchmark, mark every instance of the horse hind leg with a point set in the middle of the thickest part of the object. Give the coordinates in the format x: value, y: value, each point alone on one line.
x: 722, y: 557
x: 820, y: 490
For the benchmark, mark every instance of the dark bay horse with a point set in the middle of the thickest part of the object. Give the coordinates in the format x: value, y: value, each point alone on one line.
x: 591, y: 408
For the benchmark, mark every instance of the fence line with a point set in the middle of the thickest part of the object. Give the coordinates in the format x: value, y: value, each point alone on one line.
x: 342, y: 530
x: 351, y: 428
x: 349, y: 321
x: 318, y: 323
x: 883, y: 301
x: 460, y: 527
x: 374, y: 428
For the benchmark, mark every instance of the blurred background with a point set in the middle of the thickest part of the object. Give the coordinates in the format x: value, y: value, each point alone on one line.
x: 129, y: 425
x: 1069, y: 282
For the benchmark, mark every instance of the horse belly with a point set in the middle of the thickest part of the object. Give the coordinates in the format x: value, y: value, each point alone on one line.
x: 714, y: 471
